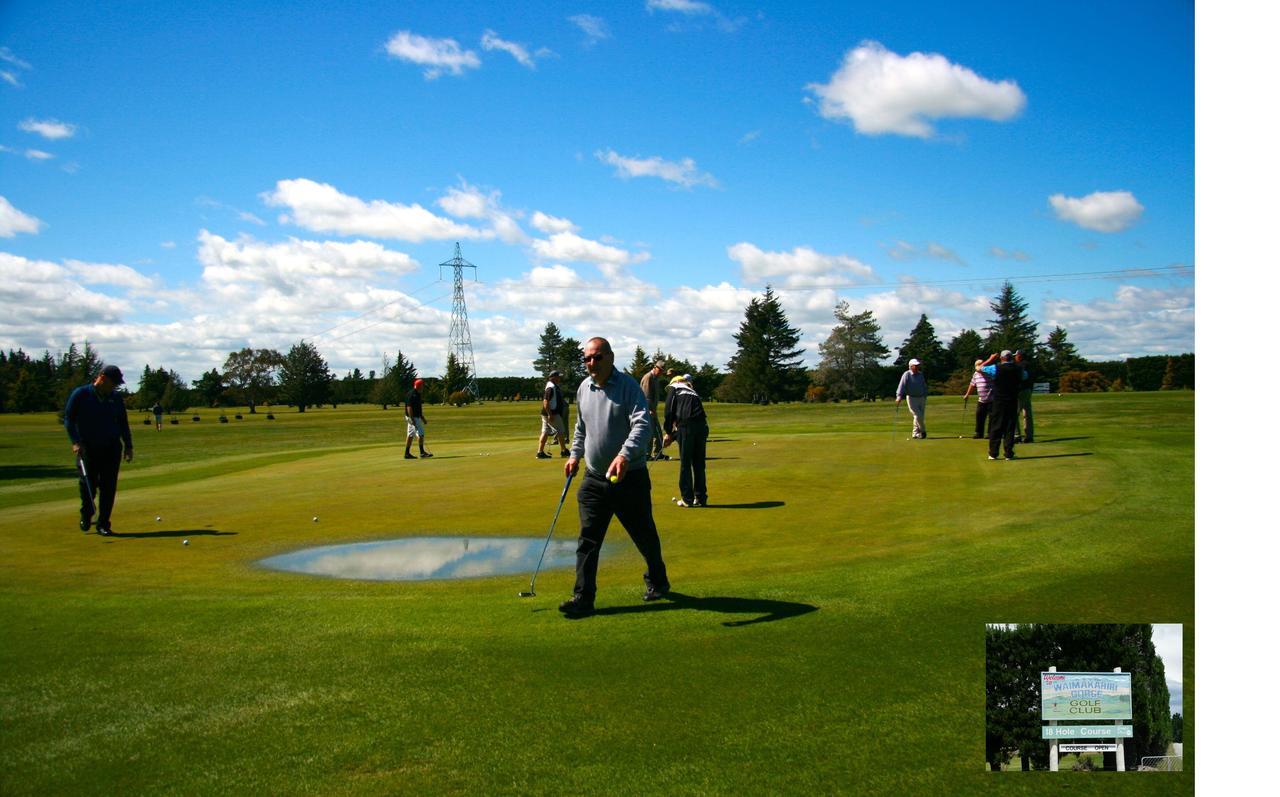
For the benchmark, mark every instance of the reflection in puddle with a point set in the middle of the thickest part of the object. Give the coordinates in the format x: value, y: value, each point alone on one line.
x: 423, y: 558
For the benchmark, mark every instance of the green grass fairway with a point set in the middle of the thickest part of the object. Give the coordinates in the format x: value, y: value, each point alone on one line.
x: 830, y: 640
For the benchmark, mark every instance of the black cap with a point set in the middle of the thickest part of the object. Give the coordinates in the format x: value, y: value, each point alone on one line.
x: 112, y: 372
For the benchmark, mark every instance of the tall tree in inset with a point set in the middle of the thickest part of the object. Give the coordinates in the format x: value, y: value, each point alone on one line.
x: 1011, y: 328
x: 304, y: 377
x: 455, y: 377
x: 396, y: 379
x: 851, y: 355
x: 640, y: 362
x: 964, y: 349
x: 558, y: 353
x: 767, y: 366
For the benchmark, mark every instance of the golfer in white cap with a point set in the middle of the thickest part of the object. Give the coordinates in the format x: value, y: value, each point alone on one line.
x: 913, y: 388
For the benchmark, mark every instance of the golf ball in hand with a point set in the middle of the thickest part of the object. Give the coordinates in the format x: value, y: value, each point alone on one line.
x: 613, y: 479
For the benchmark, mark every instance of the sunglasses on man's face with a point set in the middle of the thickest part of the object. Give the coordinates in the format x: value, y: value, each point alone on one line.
x: 590, y: 358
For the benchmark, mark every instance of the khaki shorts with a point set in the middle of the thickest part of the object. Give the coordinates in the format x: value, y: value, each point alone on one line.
x: 554, y: 425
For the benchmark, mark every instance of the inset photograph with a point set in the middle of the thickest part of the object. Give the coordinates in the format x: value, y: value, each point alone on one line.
x: 1084, y: 697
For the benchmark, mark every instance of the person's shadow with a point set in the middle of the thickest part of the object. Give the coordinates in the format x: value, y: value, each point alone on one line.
x: 753, y: 505
x: 144, y: 535
x: 767, y: 610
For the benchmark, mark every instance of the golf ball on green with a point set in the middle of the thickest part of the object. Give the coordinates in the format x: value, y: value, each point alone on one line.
x: 186, y: 542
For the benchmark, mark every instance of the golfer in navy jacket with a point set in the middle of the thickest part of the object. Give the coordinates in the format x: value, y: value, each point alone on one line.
x: 612, y: 436
x: 99, y: 430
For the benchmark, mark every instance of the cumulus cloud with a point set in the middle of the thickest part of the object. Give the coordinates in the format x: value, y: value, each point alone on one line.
x: 293, y: 266
x: 323, y: 208
x: 573, y: 247
x: 691, y: 7
x: 881, y: 92
x: 439, y: 56
x: 51, y: 298
x: 551, y: 224
x: 51, y: 129
x: 801, y: 266
x: 469, y: 202
x: 1134, y: 321
x: 39, y: 155
x: 109, y: 274
x: 595, y: 28
x: 14, y: 221
x: 683, y: 173
x: 491, y: 41
x: 1101, y: 211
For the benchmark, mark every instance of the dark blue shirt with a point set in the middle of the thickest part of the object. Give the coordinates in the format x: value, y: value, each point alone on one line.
x: 93, y: 420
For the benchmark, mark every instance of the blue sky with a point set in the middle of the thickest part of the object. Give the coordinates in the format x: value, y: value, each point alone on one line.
x: 183, y: 180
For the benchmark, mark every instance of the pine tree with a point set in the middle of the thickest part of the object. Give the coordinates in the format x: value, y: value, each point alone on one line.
x: 640, y: 363
x: 766, y: 367
x: 1061, y: 354
x: 1011, y: 328
x: 923, y: 345
x: 964, y: 349
x: 455, y: 377
x: 304, y: 377
x: 850, y: 366
x: 550, y: 349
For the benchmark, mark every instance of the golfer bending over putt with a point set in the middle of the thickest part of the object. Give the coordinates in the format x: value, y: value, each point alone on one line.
x: 612, y: 435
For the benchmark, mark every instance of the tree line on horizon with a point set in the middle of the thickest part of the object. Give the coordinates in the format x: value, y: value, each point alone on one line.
x: 766, y: 368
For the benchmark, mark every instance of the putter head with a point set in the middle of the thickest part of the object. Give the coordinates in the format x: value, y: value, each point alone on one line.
x: 527, y: 594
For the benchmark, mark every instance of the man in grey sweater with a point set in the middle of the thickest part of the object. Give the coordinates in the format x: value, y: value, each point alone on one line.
x: 915, y: 390
x: 612, y: 436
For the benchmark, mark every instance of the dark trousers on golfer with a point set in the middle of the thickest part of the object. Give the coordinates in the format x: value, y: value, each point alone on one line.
x: 693, y: 462
x: 598, y: 503
x: 980, y: 418
x: 1004, y: 422
x: 102, y: 463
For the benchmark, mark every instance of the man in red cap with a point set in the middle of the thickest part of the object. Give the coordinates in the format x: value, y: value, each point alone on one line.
x: 416, y: 424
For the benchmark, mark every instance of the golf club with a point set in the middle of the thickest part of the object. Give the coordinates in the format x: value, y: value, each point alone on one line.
x: 85, y: 486
x: 894, y: 431
x: 964, y: 419
x: 550, y: 531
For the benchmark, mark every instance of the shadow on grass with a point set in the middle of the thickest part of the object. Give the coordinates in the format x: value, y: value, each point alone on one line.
x: 1055, y: 456
x: 1057, y: 439
x: 722, y: 439
x: 768, y: 610
x: 710, y: 459
x: 755, y: 505
x: 144, y: 535
x: 8, y: 472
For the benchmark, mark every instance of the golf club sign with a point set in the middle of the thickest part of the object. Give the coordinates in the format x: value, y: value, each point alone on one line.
x: 1079, y: 697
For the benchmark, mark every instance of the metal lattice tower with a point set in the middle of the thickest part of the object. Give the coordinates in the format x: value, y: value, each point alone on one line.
x: 459, y: 330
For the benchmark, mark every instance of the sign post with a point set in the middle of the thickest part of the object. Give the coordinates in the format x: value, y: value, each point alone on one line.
x: 1092, y: 696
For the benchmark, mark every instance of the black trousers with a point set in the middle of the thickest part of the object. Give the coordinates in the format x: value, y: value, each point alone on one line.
x: 1004, y: 422
x: 693, y: 462
x: 629, y: 500
x: 102, y: 463
x: 984, y: 410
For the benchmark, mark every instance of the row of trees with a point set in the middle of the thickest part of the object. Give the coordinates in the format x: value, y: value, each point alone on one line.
x: 766, y: 367
x: 1016, y: 655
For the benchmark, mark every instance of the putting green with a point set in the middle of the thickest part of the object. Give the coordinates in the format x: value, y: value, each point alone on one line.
x: 826, y: 635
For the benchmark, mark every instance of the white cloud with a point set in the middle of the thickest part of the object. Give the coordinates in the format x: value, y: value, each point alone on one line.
x: 595, y: 28
x: 1005, y: 254
x: 904, y: 251
x: 109, y: 274
x: 51, y: 129
x: 293, y: 267
x: 1102, y: 211
x: 8, y: 57
x: 691, y: 7
x: 322, y: 208
x: 683, y: 173
x: 573, y: 247
x: 551, y: 224
x: 801, y: 266
x: 48, y: 297
x: 14, y: 221
x: 10, y: 78
x: 469, y: 202
x: 39, y: 155
x: 491, y: 41
x: 438, y: 55
x: 1134, y: 321
x: 168, y: 245
x: 882, y: 92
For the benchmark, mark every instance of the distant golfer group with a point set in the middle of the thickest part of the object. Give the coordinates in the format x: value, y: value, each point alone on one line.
x: 1004, y: 389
